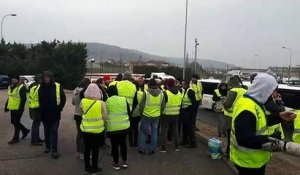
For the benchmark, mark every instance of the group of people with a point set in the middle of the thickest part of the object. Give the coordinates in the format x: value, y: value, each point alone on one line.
x: 137, y: 108
x: 46, y: 101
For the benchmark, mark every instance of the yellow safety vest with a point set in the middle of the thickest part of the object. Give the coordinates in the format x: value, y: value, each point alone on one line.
x: 242, y: 156
x: 173, y: 104
x: 33, y: 100
x: 198, y: 90
x: 186, y: 101
x: 218, y: 93
x: 296, y: 134
x: 153, y: 105
x: 139, y: 94
x: 126, y: 89
x: 57, y: 88
x: 118, y: 118
x: 276, y: 127
x: 92, y: 121
x: 113, y: 83
x: 240, y: 92
x: 14, y: 98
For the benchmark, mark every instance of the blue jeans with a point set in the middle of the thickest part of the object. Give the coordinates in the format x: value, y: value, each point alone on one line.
x: 35, y: 128
x: 147, y: 122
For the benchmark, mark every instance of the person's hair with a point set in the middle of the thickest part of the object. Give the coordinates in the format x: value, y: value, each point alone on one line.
x: 119, y: 77
x: 152, y: 82
x: 99, y: 81
x: 84, y: 82
x: 196, y: 76
x: 112, y: 90
x: 252, y: 76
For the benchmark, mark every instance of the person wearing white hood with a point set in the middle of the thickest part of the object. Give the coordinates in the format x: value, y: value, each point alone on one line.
x: 251, y: 146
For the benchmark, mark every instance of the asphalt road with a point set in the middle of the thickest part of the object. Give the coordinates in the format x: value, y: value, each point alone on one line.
x: 24, y: 159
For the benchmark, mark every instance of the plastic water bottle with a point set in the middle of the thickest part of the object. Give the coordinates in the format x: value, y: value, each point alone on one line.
x: 215, y: 148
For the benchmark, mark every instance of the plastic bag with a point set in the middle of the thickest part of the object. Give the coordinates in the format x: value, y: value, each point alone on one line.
x: 215, y: 148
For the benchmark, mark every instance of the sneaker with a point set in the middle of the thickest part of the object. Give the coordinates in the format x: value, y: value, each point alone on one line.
x: 41, y: 140
x: 115, y: 166
x: 176, y: 148
x: 151, y: 152
x: 25, y: 133
x: 87, y: 170
x: 141, y: 151
x: 55, y: 155
x: 162, y: 149
x: 13, y: 141
x: 95, y: 171
x: 47, y: 150
x: 125, y: 164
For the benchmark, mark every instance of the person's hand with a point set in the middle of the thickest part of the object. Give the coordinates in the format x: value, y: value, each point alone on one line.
x: 287, y: 115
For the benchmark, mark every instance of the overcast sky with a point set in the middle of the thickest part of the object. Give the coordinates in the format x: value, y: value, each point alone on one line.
x: 233, y: 31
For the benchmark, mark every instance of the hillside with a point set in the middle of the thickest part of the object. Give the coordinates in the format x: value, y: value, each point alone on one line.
x: 115, y: 52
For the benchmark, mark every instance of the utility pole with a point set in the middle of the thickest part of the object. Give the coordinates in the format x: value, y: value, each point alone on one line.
x: 184, y: 50
x: 101, y: 64
x: 195, y: 65
x: 120, y: 69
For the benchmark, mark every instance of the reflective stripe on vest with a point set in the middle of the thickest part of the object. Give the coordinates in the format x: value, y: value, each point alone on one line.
x: 126, y: 89
x: 33, y: 100
x: 57, y: 88
x: 173, y: 104
x: 296, y: 134
x: 14, y: 98
x: 153, y: 105
x: 240, y: 92
x: 245, y: 157
x: 186, y: 101
x: 92, y: 121
x: 198, y: 90
x: 117, y: 116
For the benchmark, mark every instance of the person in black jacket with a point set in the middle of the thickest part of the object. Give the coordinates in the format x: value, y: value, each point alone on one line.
x: 51, y: 105
x: 16, y: 114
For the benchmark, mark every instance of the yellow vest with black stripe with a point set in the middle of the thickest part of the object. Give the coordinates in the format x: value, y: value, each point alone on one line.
x: 126, y: 89
x: 33, y: 100
x: 296, y: 134
x: 139, y: 95
x: 239, y: 93
x: 242, y: 156
x: 153, y: 105
x: 57, y: 88
x: 14, y: 98
x: 186, y: 101
x: 92, y: 121
x: 173, y: 104
x: 276, y: 127
x: 198, y: 90
x: 117, y: 115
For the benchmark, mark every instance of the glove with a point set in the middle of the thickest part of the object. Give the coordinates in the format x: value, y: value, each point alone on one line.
x: 274, y: 145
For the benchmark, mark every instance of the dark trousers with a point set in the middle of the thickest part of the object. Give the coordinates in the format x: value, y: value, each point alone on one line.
x: 119, y: 140
x: 15, y: 117
x: 92, y: 145
x: 134, y: 130
x: 169, y: 125
x: 194, y: 114
x: 51, y: 134
x: 251, y: 171
x: 79, y: 139
x: 35, y: 115
x: 188, y: 129
x: 228, y: 141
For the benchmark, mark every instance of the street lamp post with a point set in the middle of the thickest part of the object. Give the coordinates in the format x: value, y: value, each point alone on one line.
x: 185, y: 30
x: 196, y: 44
x: 92, y: 61
x: 289, y: 70
x: 2, y: 23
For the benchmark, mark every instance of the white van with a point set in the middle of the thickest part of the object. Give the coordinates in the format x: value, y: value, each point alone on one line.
x: 208, y: 88
x: 27, y: 80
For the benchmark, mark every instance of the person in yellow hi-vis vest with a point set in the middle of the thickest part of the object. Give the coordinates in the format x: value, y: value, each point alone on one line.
x: 128, y: 90
x: 151, y: 106
x: 296, y: 134
x: 92, y: 126
x: 236, y: 91
x: 170, y: 117
x: 15, y: 104
x: 250, y: 144
x: 52, y: 100
x: 117, y: 125
x: 197, y: 87
x: 34, y: 110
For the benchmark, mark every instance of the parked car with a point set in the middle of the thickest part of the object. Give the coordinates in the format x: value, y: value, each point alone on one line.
x: 27, y: 80
x: 4, y: 81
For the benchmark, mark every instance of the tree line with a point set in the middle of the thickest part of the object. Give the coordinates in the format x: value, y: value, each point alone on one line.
x: 66, y: 60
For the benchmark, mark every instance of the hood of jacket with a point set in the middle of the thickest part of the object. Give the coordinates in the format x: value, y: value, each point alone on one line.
x: 262, y: 87
x: 154, y: 92
x: 234, y: 82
